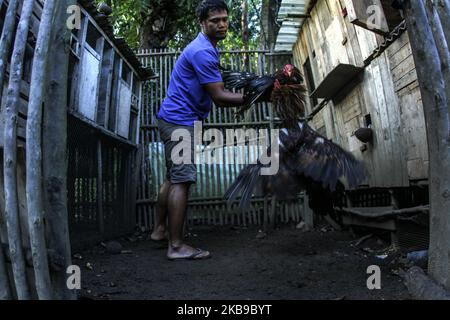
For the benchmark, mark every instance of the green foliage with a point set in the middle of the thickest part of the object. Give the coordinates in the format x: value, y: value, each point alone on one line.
x: 129, y: 16
x: 126, y: 19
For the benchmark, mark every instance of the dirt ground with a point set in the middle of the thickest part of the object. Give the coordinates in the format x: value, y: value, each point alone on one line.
x: 287, y: 264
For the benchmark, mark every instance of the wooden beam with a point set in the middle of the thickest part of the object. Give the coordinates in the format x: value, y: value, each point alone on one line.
x: 10, y: 156
x: 55, y: 151
x: 426, y: 38
x: 443, y: 10
x: 440, y: 10
x: 34, y: 155
x: 308, y: 214
x: 388, y: 224
x: 101, y: 222
x: 6, y: 41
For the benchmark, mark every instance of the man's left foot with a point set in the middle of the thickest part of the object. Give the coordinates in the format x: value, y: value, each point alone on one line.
x: 158, y: 235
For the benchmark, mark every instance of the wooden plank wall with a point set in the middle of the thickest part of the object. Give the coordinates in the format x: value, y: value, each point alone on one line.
x: 388, y: 91
x: 412, y: 117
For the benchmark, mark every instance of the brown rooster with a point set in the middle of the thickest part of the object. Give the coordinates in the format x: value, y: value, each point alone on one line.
x: 308, y: 161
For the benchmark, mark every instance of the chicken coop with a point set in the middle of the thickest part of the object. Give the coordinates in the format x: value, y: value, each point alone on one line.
x: 364, y: 94
x: 104, y: 106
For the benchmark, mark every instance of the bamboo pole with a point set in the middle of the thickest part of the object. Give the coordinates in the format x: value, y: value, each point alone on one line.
x: 10, y: 157
x: 430, y: 64
x: 6, y: 40
x: 34, y: 154
x: 55, y: 150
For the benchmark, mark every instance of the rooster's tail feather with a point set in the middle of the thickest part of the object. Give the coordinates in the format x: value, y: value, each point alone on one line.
x: 244, y: 185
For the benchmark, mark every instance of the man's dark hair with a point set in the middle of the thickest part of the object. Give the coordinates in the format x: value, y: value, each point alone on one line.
x: 206, y: 6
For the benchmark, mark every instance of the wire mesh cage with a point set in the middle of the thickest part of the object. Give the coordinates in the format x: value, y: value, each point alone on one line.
x: 100, y: 184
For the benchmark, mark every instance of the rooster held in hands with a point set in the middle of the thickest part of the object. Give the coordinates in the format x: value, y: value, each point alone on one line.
x: 276, y: 88
x: 307, y: 160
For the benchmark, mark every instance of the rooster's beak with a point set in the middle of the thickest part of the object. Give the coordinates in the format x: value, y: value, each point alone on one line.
x: 289, y: 74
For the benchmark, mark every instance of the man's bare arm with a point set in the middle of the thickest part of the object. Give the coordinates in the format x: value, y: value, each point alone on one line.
x: 222, y: 97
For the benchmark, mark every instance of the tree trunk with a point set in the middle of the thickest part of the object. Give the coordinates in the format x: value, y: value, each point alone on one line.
x: 160, y: 26
x: 55, y: 150
x: 34, y: 155
x: 431, y: 63
x: 6, y: 40
x: 245, y: 33
x: 269, y: 26
x: 10, y: 156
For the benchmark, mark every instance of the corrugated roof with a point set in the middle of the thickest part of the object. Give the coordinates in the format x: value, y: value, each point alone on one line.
x: 292, y: 14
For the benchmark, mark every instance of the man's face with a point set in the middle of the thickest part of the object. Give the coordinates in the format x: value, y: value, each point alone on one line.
x: 216, y: 26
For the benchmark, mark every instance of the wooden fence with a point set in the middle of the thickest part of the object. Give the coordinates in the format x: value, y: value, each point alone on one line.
x: 206, y: 202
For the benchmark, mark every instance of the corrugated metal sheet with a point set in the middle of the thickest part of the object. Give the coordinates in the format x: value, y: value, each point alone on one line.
x: 292, y: 14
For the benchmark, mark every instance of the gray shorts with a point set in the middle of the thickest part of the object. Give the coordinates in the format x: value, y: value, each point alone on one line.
x: 177, y: 173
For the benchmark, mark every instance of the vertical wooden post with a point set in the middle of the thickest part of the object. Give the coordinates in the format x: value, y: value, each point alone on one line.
x: 431, y: 58
x: 136, y: 164
x: 101, y: 222
x: 265, y: 214
x: 5, y: 288
x: 34, y: 155
x: 10, y: 156
x: 441, y: 27
x: 443, y: 10
x: 55, y: 149
x: 6, y: 40
x: 273, y: 213
x: 308, y: 214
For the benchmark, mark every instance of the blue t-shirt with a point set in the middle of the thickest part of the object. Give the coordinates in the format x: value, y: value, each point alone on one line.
x: 186, y: 100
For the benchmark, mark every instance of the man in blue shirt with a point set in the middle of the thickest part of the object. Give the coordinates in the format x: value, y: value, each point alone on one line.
x: 196, y: 82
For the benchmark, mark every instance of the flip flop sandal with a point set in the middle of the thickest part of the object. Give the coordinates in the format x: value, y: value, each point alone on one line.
x: 198, y: 255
